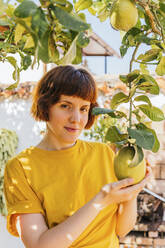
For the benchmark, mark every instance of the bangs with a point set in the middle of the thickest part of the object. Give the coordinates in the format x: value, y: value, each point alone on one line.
x: 75, y: 83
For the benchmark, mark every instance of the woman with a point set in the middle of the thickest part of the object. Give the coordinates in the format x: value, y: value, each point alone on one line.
x: 63, y: 192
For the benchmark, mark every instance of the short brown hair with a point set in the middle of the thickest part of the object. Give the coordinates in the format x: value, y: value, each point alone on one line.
x: 63, y: 80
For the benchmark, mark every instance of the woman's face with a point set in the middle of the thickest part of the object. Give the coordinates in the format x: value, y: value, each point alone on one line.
x: 67, y: 118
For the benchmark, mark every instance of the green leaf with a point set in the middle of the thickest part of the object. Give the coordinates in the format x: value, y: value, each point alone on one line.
x: 16, y: 72
x: 52, y: 49
x: 150, y: 55
x: 82, y: 40
x: 123, y: 50
x: 143, y: 98
x: 143, y: 68
x: 39, y: 23
x: 43, y: 52
x: 148, y: 84
x: 143, y: 138
x: 25, y: 9
x: 92, y: 10
x: 68, y: 20
x: 117, y: 99
x: 26, y: 62
x: 12, y: 61
x: 115, y: 136
x: 162, y: 6
x: 70, y: 55
x: 156, y: 145
x: 82, y: 16
x: 29, y: 42
x: 78, y: 58
x: 123, y: 78
x: 98, y: 111
x: 12, y: 86
x: 82, y: 4
x: 142, y: 38
x: 153, y: 113
x: 133, y: 32
x: 160, y: 69
x: 132, y: 92
x: 60, y: 2
x: 19, y: 30
x: 110, y: 112
x: 103, y: 15
x: 65, y: 5
x: 133, y: 75
x: 136, y: 112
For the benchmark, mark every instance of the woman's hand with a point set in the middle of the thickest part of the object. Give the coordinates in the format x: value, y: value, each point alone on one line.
x: 120, y: 191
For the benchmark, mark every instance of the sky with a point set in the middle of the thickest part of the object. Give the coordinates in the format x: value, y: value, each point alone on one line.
x: 96, y: 64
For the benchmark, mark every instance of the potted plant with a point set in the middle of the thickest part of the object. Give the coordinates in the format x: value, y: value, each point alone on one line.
x: 8, y: 145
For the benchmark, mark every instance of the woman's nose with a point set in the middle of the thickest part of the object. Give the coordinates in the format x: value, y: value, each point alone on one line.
x: 75, y: 116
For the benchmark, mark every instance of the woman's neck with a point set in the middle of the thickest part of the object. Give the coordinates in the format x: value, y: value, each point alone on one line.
x: 51, y: 144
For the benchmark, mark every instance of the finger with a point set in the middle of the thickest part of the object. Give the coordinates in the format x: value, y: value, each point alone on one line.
x: 136, y: 188
x: 143, y: 183
x: 122, y: 183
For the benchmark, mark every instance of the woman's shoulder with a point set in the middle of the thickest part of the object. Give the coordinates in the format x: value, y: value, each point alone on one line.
x: 15, y: 161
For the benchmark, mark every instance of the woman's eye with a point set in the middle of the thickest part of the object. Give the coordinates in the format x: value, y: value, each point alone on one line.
x: 64, y: 106
x: 84, y: 109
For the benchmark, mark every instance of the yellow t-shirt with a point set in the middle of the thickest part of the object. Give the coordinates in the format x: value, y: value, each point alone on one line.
x: 58, y: 183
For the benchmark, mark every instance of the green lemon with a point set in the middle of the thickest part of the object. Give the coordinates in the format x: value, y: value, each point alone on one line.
x: 124, y: 15
x: 122, y: 167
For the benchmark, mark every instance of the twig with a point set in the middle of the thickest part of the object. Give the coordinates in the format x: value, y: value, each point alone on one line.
x: 149, y: 13
x: 133, y: 57
x: 159, y: 24
x: 130, y: 85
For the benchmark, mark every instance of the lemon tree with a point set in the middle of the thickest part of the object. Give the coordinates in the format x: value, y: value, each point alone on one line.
x: 145, y: 26
x: 55, y: 31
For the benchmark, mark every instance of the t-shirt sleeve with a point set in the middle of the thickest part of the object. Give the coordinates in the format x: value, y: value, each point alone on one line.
x: 19, y: 195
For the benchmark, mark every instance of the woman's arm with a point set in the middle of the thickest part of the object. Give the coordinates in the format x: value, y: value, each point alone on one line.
x: 127, y: 212
x: 126, y: 217
x: 35, y: 233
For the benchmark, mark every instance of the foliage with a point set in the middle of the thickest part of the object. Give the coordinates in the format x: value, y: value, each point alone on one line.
x: 51, y: 31
x: 99, y: 129
x: 8, y: 145
x: 149, y: 30
x: 56, y: 30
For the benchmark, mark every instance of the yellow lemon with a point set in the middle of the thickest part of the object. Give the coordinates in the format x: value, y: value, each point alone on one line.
x: 122, y: 167
x: 124, y: 15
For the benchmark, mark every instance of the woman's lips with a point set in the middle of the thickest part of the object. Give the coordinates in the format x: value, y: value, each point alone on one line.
x: 71, y: 130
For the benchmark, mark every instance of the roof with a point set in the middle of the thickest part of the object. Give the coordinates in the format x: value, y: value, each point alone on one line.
x: 98, y: 47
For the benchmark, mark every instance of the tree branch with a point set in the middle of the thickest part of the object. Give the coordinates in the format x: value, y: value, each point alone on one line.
x: 149, y: 13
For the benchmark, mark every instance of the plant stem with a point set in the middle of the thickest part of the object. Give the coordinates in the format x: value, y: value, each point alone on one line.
x: 149, y: 13
x: 159, y: 24
x: 133, y: 58
x: 130, y: 85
